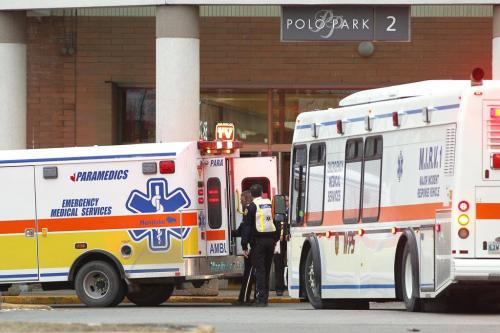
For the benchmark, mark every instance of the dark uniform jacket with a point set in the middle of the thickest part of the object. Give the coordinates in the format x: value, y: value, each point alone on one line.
x: 243, y: 230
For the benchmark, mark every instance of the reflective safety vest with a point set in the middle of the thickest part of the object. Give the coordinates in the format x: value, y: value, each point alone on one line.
x: 264, y: 215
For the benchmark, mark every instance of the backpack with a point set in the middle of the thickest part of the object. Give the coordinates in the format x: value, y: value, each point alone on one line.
x: 264, y: 216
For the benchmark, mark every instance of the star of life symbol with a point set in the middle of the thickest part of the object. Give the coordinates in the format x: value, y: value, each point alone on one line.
x: 159, y: 239
x: 158, y: 199
x: 400, y: 165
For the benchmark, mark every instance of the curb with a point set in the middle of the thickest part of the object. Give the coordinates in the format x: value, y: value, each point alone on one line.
x: 23, y: 327
x: 73, y: 299
x: 10, y: 306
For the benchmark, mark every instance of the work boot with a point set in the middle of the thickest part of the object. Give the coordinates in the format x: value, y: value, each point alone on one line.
x: 260, y: 304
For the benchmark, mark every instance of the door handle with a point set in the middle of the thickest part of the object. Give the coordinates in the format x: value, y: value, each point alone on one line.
x: 29, y: 232
x: 45, y: 231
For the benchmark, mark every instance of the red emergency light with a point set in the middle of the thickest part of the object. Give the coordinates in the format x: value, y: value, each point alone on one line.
x: 395, y: 119
x: 476, y: 77
x: 340, y: 129
x: 167, y: 167
x: 495, y: 161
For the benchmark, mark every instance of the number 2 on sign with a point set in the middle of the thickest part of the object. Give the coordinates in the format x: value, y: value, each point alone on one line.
x: 393, y: 21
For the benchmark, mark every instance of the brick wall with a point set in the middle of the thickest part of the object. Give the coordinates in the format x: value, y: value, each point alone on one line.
x: 243, y: 51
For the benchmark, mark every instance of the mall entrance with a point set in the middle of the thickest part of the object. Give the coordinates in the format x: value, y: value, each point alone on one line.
x: 264, y: 119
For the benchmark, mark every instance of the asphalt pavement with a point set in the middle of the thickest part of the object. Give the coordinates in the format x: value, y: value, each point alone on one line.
x: 276, y: 318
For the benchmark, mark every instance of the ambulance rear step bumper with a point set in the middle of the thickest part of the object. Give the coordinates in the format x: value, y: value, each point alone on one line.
x: 205, y: 268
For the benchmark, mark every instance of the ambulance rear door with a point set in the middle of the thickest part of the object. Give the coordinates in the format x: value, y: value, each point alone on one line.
x: 216, y: 203
x: 248, y: 171
x: 18, y: 245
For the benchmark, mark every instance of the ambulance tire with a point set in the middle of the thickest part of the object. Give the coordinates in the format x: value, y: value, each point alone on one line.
x: 151, y: 294
x: 98, y: 284
x: 410, y: 284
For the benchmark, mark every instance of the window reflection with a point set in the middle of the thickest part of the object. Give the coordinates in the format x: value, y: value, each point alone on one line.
x: 288, y: 104
x: 247, y: 111
x: 138, y: 116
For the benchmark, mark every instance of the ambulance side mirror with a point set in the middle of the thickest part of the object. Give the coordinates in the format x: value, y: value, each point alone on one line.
x: 280, y: 210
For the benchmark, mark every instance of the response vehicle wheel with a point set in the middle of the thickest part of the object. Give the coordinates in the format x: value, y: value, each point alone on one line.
x: 410, y: 281
x: 98, y: 284
x: 151, y: 294
x: 313, y: 291
x: 312, y: 283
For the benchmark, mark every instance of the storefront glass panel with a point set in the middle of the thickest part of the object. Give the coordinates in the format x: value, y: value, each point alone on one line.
x: 247, y: 111
x: 288, y: 104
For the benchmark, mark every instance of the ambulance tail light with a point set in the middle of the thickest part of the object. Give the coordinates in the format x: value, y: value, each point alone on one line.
x: 463, y: 233
x: 463, y: 219
x: 463, y: 206
x: 495, y: 161
x: 495, y: 112
x: 167, y: 167
x: 214, y: 208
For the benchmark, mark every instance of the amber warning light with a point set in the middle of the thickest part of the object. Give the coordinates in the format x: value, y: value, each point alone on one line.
x: 224, y: 142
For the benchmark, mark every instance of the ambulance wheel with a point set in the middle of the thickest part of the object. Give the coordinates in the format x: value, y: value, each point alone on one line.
x: 410, y: 280
x: 151, y: 294
x: 98, y: 284
x: 312, y: 283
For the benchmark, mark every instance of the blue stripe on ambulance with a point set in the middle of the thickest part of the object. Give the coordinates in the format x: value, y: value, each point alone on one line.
x: 82, y: 158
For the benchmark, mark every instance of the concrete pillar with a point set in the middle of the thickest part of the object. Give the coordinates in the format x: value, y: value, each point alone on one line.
x: 12, y: 80
x: 177, y: 73
x: 495, y: 65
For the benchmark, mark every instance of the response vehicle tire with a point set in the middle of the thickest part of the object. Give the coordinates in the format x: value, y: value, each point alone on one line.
x: 410, y: 280
x: 98, y: 284
x: 312, y: 286
x: 151, y: 294
x: 312, y: 283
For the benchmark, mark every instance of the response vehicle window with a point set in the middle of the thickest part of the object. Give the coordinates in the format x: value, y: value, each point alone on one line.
x: 299, y: 169
x: 352, y: 179
x: 316, y: 188
x: 214, y: 203
x: 372, y: 173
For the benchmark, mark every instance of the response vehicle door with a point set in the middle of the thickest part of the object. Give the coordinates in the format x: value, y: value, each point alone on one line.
x: 18, y: 248
x: 216, y: 203
x: 246, y: 172
x: 487, y: 224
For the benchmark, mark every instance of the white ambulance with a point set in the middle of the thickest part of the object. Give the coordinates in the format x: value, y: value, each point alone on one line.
x: 132, y: 220
x: 396, y: 195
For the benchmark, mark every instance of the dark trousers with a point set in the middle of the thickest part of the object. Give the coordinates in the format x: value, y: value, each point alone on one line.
x: 247, y: 282
x: 262, y: 259
x: 279, y: 267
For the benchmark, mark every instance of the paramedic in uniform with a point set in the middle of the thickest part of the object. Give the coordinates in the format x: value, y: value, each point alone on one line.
x: 249, y: 271
x: 264, y: 235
